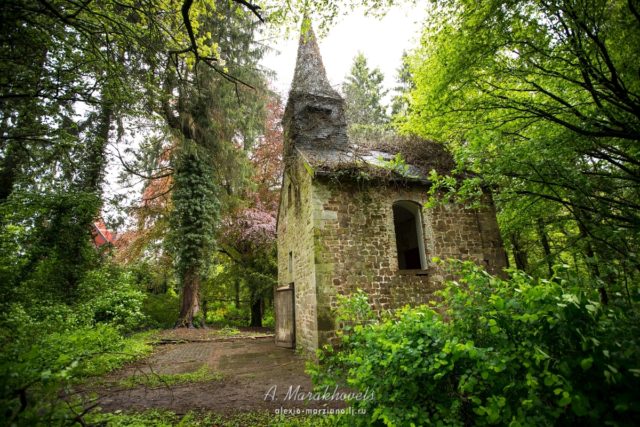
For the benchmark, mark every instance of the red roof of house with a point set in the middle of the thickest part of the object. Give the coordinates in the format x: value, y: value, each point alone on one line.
x: 101, y: 235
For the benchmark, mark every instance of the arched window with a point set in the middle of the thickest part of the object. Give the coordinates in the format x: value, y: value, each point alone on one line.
x: 407, y: 222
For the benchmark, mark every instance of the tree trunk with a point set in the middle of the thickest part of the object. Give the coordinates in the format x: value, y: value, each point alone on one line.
x: 546, y: 247
x: 256, y: 313
x: 595, y: 271
x: 237, y: 293
x: 519, y: 254
x: 592, y: 262
x: 204, y: 314
x: 189, y: 302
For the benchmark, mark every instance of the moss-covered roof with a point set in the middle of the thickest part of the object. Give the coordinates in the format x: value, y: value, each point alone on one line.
x: 386, y: 156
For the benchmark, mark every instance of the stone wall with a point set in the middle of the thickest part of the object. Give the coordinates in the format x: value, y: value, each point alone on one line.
x: 295, y: 236
x: 468, y: 234
x: 341, y: 235
x: 355, y: 248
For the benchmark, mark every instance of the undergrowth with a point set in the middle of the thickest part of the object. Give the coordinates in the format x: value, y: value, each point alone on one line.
x: 153, y: 418
x: 151, y: 379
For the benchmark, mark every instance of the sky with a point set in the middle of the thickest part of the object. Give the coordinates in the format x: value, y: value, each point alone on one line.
x: 382, y: 42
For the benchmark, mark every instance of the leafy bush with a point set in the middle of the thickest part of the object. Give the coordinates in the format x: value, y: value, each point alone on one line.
x: 45, y: 244
x: 42, y: 356
x: 47, y: 346
x: 517, y: 352
x: 269, y: 321
x: 226, y: 314
x: 161, y: 310
x: 110, y: 295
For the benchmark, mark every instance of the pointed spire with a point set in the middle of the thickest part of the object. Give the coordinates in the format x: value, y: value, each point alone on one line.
x: 310, y: 75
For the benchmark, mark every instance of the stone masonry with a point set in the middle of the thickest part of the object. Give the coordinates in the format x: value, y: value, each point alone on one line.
x: 336, y: 230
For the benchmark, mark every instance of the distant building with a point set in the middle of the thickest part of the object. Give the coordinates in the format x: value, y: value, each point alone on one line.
x: 351, y: 215
x: 100, y: 235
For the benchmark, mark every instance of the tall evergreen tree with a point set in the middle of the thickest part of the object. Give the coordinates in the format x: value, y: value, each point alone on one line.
x: 222, y: 119
x: 364, y: 92
x: 404, y: 84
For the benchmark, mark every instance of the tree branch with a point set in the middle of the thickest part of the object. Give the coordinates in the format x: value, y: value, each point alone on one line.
x: 254, y: 8
x: 186, y: 6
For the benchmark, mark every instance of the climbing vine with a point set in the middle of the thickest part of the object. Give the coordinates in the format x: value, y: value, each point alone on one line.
x: 195, y: 214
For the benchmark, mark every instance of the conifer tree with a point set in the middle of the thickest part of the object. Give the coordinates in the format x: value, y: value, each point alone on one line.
x: 404, y: 84
x: 363, y: 93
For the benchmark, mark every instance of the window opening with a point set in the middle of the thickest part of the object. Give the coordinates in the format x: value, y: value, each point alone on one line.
x: 407, y: 222
x: 290, y: 262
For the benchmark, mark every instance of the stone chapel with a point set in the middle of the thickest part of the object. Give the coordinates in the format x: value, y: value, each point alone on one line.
x: 352, y: 215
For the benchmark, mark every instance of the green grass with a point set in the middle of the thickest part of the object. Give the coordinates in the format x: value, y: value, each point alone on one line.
x: 229, y: 331
x: 129, y: 349
x: 203, y: 374
x: 169, y: 419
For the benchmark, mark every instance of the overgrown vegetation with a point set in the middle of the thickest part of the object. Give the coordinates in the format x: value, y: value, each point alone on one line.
x: 175, y: 92
x: 151, y: 379
x: 521, y: 351
x: 539, y: 100
x: 168, y: 419
x: 44, y: 353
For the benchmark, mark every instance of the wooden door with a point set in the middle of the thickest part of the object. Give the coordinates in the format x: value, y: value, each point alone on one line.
x: 285, y: 317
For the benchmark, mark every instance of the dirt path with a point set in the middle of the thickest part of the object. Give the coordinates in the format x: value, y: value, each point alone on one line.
x: 248, y: 373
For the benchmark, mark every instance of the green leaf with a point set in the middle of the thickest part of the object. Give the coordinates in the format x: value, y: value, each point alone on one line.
x: 586, y: 363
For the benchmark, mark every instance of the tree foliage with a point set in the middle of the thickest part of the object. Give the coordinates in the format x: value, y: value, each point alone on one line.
x: 542, y: 100
x: 492, y: 352
x: 404, y: 84
x: 249, y: 232
x: 363, y: 93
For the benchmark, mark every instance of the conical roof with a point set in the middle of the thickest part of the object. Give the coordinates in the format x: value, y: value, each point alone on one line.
x: 310, y: 76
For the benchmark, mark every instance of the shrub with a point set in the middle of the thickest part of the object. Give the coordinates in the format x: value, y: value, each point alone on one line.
x: 41, y: 357
x: 48, y: 345
x: 45, y: 244
x: 517, y: 352
x: 110, y: 296
x: 162, y: 310
x: 269, y: 321
x: 223, y: 314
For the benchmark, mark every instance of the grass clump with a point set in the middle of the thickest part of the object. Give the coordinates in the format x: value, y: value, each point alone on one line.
x: 152, y: 380
x: 158, y: 418
x: 229, y: 331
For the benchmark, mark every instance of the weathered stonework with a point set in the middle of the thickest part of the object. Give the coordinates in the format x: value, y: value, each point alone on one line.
x: 336, y: 232
x: 295, y: 239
